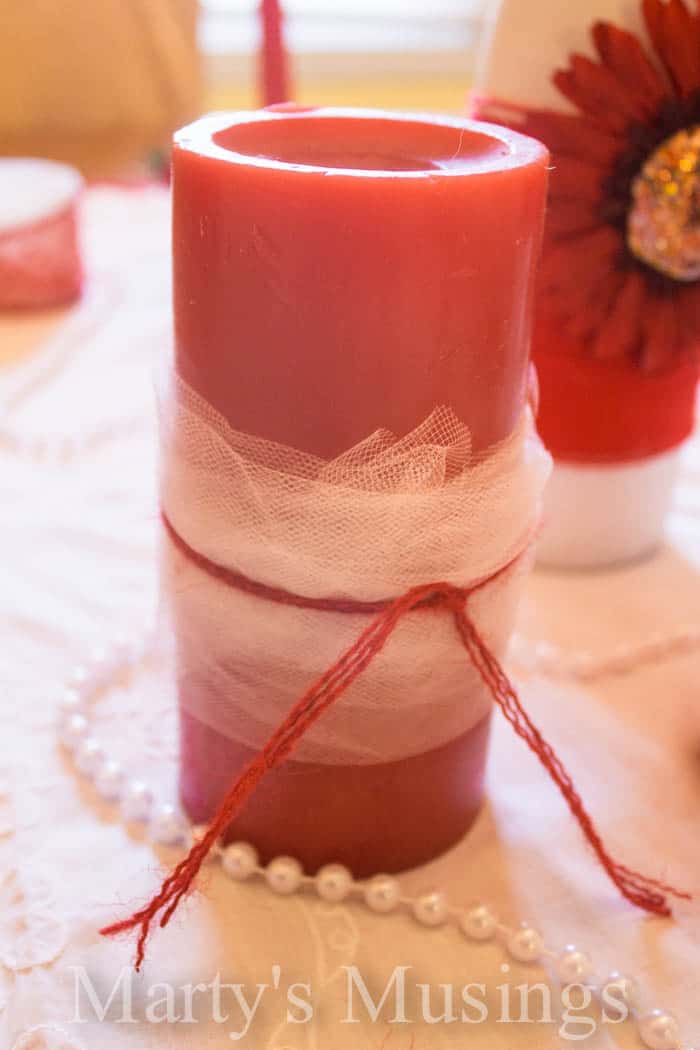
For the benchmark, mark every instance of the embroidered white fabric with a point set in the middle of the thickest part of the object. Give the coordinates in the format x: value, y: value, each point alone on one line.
x: 384, y: 516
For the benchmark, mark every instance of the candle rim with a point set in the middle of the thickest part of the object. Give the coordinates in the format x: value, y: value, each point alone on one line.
x: 200, y: 137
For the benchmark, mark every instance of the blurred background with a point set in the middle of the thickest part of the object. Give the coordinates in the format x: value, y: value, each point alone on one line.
x: 102, y: 85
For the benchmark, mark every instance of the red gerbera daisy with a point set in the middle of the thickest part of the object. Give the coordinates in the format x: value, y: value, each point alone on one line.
x: 621, y: 262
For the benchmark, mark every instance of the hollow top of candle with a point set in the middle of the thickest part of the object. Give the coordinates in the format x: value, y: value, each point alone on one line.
x: 358, y: 142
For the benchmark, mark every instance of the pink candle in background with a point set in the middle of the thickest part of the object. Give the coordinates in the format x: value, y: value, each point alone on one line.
x: 338, y: 271
x: 40, y: 263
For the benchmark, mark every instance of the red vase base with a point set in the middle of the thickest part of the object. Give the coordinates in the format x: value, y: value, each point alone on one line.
x: 373, y: 818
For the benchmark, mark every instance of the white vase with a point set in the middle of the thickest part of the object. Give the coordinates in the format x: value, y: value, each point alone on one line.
x: 597, y: 515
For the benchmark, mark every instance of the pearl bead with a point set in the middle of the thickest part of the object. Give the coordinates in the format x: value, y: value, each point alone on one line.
x: 89, y: 757
x: 382, y: 894
x: 573, y: 966
x: 430, y: 909
x: 479, y: 924
x: 659, y: 1030
x: 166, y: 826
x: 93, y: 677
x: 240, y: 860
x: 137, y: 802
x: 623, y: 988
x: 75, y: 731
x: 333, y: 882
x: 525, y: 944
x: 109, y: 781
x: 70, y: 703
x: 284, y: 875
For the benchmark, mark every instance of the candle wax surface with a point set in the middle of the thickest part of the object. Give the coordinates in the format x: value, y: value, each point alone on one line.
x: 387, y: 817
x: 341, y: 271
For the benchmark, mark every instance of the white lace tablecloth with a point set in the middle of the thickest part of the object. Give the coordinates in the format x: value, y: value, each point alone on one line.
x: 78, y: 540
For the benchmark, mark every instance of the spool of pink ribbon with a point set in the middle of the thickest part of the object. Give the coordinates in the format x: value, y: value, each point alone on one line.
x: 40, y: 262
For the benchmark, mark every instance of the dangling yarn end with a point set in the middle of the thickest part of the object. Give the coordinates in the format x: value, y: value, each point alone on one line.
x: 647, y: 893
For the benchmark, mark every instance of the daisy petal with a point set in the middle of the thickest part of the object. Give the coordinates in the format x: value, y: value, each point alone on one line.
x: 620, y: 334
x: 688, y: 308
x: 573, y: 136
x: 568, y: 134
x: 675, y: 33
x: 574, y: 179
x: 571, y: 217
x: 683, y: 45
x: 597, y: 92
x: 660, y: 333
x: 625, y: 57
x: 593, y: 305
x: 652, y: 11
x: 577, y: 261
x: 582, y: 273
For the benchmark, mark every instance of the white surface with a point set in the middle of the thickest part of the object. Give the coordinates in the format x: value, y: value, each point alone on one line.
x: 597, y: 516
x: 32, y: 190
x: 79, y: 562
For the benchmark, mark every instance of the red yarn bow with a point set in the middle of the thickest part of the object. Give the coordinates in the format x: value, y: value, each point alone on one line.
x: 647, y: 893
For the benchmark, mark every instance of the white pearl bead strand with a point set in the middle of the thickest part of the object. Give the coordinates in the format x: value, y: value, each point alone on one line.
x: 551, y: 662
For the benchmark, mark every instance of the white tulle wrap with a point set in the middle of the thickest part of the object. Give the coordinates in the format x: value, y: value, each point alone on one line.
x: 388, y: 514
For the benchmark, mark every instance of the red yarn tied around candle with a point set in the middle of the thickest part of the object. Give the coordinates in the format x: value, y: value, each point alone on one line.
x: 647, y: 893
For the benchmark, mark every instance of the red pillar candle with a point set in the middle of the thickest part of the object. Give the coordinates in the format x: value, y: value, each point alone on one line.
x: 336, y: 272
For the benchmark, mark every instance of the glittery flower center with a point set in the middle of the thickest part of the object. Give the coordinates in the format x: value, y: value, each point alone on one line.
x: 663, y: 225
